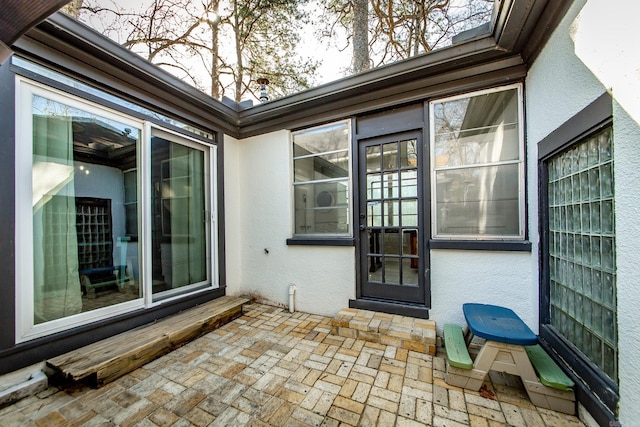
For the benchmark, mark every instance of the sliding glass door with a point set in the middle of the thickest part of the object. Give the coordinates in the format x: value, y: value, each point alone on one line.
x: 180, y: 226
x: 113, y: 214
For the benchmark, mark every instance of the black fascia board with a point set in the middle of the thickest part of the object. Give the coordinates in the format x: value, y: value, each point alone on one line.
x: 107, y: 49
x: 551, y: 16
x: 19, y: 16
x: 513, y: 23
x: 524, y: 26
x: 490, y: 74
x: 351, y: 90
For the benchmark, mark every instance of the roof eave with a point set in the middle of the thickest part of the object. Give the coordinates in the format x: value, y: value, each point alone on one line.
x: 519, y: 28
x: 63, y: 35
x: 518, y: 31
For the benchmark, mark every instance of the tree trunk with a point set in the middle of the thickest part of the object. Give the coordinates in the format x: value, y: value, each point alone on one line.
x: 239, y: 71
x: 360, y: 35
x: 215, y: 70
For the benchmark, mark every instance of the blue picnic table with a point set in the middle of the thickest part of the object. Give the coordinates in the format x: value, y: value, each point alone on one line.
x: 507, y: 339
x: 497, y: 323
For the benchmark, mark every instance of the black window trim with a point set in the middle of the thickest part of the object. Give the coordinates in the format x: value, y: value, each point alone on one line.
x: 321, y: 241
x: 330, y: 239
x: 482, y: 245
x: 594, y: 389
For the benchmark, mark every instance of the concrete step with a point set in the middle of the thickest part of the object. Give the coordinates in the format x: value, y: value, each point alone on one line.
x: 389, y: 329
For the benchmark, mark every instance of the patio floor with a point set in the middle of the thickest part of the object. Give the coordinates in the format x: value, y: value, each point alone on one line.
x: 270, y: 367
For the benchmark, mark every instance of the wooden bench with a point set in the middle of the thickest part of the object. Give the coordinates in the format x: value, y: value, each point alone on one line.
x: 460, y: 371
x: 548, y: 371
x: 106, y: 360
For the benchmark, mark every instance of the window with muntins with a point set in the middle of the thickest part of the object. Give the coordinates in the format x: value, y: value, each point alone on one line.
x: 582, y: 273
x: 477, y: 157
x: 321, y: 181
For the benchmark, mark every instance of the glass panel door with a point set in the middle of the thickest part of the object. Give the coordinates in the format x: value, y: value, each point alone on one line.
x: 390, y: 219
x: 180, y: 217
x: 83, y: 258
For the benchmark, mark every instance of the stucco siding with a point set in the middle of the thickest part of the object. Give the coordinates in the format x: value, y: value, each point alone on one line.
x: 232, y: 208
x: 259, y: 215
x: 502, y: 278
x: 595, y: 50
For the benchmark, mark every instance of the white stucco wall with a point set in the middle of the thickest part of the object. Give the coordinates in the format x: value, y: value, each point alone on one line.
x: 503, y: 278
x: 232, y: 207
x: 258, y: 204
x: 593, y: 50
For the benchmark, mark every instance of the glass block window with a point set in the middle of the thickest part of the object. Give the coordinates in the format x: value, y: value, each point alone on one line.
x: 582, y: 249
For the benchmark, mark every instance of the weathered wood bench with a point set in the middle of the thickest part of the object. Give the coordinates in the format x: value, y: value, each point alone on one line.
x: 104, y: 361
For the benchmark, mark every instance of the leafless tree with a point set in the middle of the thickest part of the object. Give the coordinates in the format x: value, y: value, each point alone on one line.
x: 399, y: 29
x: 193, y: 41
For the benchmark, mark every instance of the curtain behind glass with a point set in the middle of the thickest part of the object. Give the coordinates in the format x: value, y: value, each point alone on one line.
x: 187, y: 216
x: 57, y: 291
x: 179, y: 231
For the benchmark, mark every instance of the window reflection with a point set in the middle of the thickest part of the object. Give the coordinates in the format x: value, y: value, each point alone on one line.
x: 179, y: 227
x: 477, y: 159
x: 321, y: 180
x: 83, y: 258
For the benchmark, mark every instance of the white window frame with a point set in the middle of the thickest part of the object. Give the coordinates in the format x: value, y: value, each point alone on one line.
x: 25, y: 329
x: 349, y: 232
x: 520, y: 162
x: 210, y: 200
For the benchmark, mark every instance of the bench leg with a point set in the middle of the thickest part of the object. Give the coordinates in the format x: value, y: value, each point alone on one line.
x: 471, y: 379
x: 513, y: 359
x: 550, y: 398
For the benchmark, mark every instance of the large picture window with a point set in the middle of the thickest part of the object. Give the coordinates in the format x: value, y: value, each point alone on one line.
x: 321, y: 180
x: 112, y: 213
x: 477, y: 165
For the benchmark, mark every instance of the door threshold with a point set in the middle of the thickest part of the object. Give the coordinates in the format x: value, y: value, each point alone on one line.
x: 391, y: 307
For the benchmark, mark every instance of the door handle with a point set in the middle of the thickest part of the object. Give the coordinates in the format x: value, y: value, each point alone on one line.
x: 362, y: 227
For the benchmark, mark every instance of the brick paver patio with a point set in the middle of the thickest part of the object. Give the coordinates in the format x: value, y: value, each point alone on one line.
x: 270, y: 367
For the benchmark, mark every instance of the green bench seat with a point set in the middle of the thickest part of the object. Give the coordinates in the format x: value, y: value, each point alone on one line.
x: 548, y: 371
x: 456, y: 347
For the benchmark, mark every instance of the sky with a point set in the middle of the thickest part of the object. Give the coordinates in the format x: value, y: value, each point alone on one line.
x: 333, y: 61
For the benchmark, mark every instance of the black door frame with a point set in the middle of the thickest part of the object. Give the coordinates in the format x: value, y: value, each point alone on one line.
x: 416, y: 309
